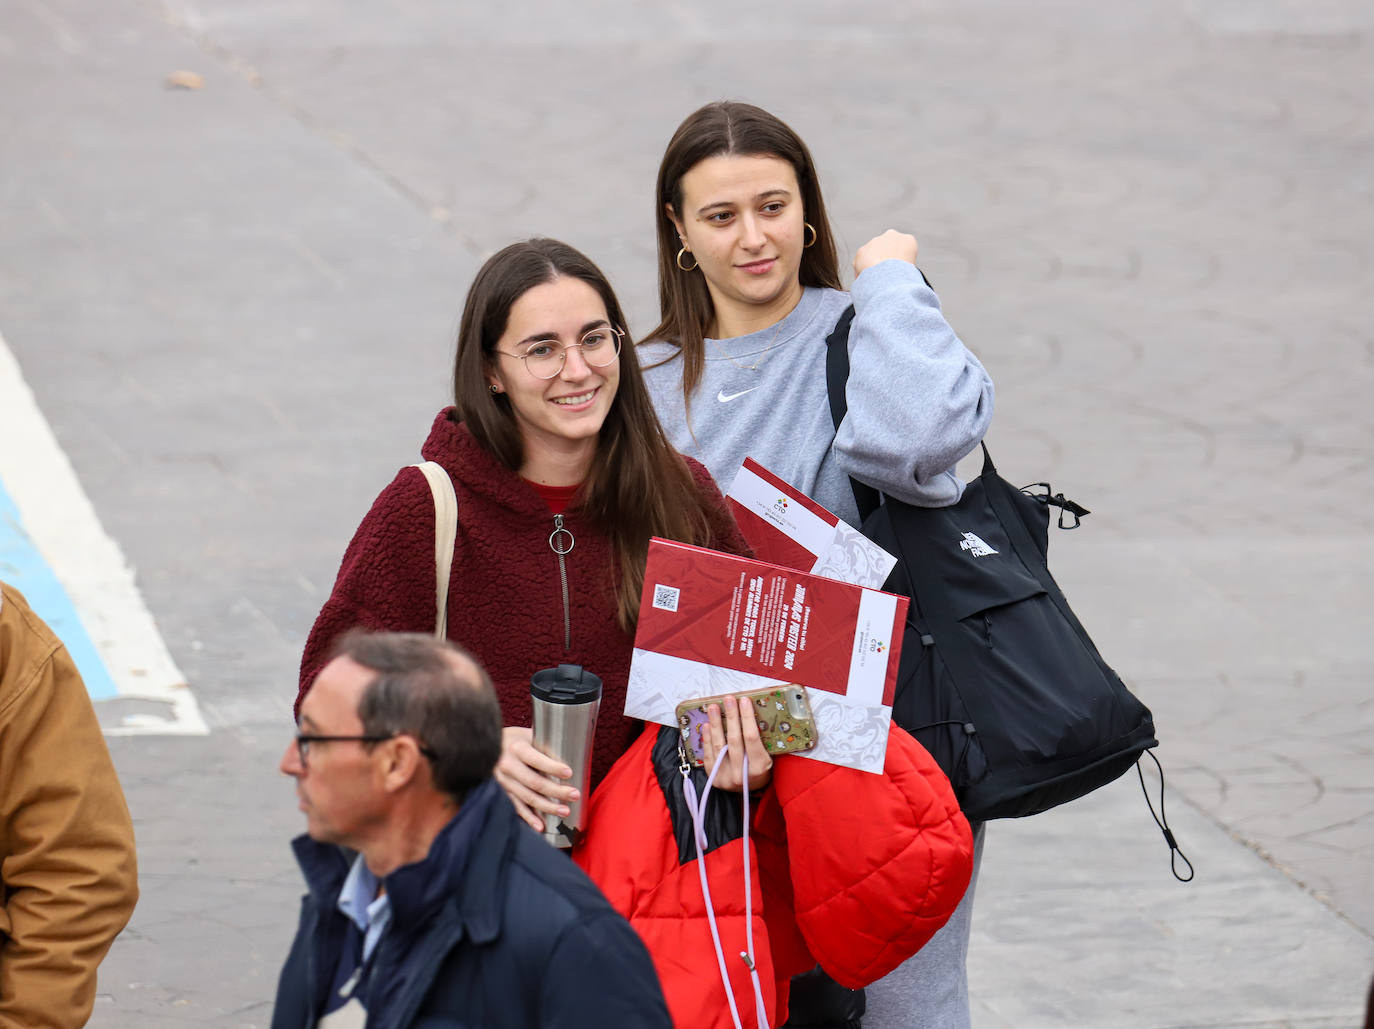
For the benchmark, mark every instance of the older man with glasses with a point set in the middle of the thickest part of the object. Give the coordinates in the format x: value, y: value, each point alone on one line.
x: 452, y: 911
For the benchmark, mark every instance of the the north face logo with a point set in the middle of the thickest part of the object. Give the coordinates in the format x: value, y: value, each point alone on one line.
x: 975, y: 546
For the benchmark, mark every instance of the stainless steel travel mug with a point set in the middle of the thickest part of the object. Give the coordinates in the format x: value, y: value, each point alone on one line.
x: 566, y: 700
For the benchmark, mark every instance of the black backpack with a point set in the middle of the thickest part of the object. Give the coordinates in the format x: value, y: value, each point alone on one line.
x: 997, y: 677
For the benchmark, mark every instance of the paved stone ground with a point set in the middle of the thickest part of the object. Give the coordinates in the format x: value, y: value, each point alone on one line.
x: 1151, y: 221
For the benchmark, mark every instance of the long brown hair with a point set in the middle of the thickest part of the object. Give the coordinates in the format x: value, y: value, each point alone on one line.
x: 726, y: 128
x: 638, y: 485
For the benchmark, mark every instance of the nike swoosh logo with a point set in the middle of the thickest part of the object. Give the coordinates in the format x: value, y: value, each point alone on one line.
x: 725, y: 399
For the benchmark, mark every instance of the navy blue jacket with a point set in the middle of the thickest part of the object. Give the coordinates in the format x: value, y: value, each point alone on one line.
x: 493, y: 928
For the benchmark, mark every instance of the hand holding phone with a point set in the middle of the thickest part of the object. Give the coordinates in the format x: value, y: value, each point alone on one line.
x: 770, y: 721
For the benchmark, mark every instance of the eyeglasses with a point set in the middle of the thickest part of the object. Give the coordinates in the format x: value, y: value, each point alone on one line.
x: 544, y: 358
x: 305, y: 740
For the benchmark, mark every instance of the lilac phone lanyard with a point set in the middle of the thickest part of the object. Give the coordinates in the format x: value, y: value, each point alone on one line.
x: 698, y: 809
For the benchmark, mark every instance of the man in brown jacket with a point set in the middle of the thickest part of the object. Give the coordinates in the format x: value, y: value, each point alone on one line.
x: 67, y: 874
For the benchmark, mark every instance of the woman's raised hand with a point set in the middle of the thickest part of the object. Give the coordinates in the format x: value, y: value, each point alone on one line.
x: 523, y: 773
x: 736, y: 723
x: 891, y: 245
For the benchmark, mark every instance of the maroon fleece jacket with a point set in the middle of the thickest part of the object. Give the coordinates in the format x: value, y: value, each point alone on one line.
x: 505, y: 598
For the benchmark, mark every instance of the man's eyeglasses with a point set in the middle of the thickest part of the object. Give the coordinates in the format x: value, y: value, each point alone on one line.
x: 545, y: 357
x: 304, y: 741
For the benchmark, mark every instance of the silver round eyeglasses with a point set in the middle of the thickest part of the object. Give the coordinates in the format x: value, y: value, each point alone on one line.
x: 545, y: 357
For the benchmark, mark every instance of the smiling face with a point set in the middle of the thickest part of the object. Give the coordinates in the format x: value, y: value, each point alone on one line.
x: 559, y: 419
x: 742, y: 220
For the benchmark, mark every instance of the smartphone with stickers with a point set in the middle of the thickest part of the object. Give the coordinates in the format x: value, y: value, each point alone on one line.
x: 782, y: 713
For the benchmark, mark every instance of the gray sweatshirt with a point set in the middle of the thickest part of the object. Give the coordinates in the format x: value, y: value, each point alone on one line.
x: 918, y: 399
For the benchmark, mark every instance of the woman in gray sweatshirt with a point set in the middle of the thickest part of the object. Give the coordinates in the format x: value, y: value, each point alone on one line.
x: 749, y: 287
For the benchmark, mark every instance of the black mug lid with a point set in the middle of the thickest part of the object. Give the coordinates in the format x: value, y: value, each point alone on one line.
x: 566, y: 684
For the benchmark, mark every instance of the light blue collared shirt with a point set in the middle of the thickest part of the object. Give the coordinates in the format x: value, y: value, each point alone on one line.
x: 364, y: 906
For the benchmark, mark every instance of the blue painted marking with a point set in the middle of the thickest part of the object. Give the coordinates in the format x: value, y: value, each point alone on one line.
x: 24, y: 568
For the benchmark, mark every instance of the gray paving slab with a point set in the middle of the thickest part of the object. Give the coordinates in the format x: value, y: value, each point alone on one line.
x: 1080, y: 924
x: 1151, y: 221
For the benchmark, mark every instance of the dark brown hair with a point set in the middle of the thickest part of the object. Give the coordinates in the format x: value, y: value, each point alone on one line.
x: 726, y: 128
x: 638, y: 485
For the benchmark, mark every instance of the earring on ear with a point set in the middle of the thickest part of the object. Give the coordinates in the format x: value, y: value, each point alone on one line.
x: 808, y: 225
x: 495, y: 389
x: 684, y: 250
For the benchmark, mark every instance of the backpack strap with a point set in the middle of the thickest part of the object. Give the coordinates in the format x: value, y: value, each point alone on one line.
x: 837, y: 365
x: 836, y: 375
x: 445, y: 529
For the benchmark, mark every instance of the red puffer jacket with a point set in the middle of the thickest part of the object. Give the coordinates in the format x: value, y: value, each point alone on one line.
x: 850, y: 870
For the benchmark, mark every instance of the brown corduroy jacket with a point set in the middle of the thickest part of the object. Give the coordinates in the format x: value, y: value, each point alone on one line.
x: 68, y: 878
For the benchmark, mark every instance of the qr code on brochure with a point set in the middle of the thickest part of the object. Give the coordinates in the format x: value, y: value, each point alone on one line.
x: 665, y: 597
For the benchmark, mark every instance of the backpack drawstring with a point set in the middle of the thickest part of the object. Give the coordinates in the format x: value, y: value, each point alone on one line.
x: 698, y: 810
x: 1162, y: 820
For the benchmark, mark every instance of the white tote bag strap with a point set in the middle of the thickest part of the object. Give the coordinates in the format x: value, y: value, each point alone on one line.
x: 445, y: 529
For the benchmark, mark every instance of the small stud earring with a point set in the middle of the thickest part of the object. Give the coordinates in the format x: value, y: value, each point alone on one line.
x: 495, y: 389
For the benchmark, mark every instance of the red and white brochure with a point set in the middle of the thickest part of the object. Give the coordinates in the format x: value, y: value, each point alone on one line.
x: 787, y: 527
x: 713, y: 624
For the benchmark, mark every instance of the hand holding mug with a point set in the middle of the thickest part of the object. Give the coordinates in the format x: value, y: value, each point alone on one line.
x: 531, y: 778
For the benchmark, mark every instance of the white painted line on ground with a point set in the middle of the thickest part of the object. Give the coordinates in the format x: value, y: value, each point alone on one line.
x: 58, y: 518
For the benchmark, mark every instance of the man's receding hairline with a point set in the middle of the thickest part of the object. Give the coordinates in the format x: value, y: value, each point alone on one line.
x: 372, y: 676
x: 464, y: 669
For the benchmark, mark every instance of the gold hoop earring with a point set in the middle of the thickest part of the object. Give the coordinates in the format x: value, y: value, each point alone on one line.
x: 684, y: 250
x: 805, y: 226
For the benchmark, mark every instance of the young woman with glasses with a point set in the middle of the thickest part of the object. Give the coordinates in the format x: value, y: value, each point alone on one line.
x: 749, y: 287
x: 562, y: 475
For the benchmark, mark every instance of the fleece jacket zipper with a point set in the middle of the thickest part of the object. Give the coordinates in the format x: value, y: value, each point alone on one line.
x: 561, y: 543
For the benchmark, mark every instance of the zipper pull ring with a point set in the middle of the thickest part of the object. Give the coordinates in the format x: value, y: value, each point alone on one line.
x: 561, y: 539
x: 561, y: 543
